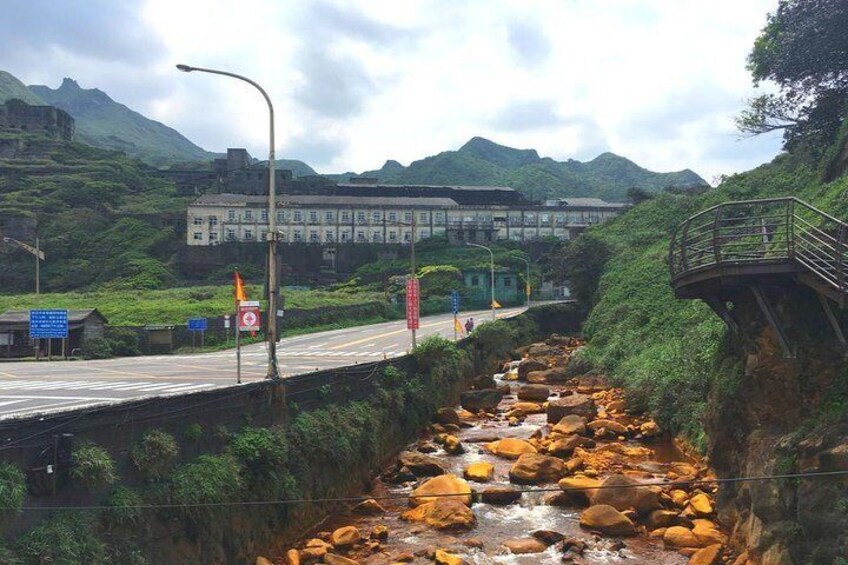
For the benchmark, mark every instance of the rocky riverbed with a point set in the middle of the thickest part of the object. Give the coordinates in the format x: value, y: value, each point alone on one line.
x: 539, y: 464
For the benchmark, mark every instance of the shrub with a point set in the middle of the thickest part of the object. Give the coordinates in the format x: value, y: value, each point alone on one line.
x: 209, y: 479
x: 260, y: 449
x: 124, y: 342
x: 193, y: 432
x: 97, y: 348
x: 12, y: 489
x: 63, y: 539
x: 154, y: 456
x: 92, y: 467
x: 123, y: 508
x: 492, y: 342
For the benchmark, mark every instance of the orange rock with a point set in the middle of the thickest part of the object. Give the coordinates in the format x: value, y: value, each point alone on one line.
x: 607, y: 520
x: 444, y: 558
x: 480, y: 471
x: 510, y: 448
x: 579, y: 488
x: 345, y: 536
x: 292, y: 557
x: 533, y: 468
x: 441, y: 485
x: 710, y: 555
x: 678, y: 536
x: 520, y: 546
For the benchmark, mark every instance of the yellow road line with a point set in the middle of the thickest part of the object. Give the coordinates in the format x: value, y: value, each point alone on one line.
x: 8, y: 375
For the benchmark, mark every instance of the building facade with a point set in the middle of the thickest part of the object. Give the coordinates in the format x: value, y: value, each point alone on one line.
x: 391, y: 214
x: 47, y: 120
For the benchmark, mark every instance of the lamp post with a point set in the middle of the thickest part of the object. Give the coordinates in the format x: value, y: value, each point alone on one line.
x: 271, y: 282
x: 492, y: 273
x: 413, y: 266
x: 526, y: 283
x: 36, y: 251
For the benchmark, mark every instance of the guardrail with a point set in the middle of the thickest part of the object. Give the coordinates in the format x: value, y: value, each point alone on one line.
x: 777, y: 231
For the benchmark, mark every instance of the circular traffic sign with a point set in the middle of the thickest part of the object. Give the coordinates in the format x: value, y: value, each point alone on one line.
x: 249, y: 318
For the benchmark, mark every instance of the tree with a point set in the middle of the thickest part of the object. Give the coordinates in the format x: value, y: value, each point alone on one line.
x: 803, y: 49
x: 580, y: 264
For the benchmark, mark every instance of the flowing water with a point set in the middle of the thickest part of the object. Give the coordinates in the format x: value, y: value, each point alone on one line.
x: 482, y: 544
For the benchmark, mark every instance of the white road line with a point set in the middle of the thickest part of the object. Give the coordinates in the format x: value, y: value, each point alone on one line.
x: 6, y: 403
x: 40, y: 397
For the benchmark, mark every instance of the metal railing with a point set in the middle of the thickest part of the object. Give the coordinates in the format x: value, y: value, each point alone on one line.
x: 776, y: 231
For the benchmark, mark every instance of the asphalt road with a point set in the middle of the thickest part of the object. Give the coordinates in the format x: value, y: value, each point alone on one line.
x: 38, y: 387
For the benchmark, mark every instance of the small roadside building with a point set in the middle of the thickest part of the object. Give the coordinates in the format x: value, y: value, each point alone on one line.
x: 509, y: 289
x: 15, y: 341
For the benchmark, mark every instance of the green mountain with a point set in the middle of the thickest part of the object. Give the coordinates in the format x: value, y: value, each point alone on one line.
x: 483, y: 162
x: 11, y: 87
x: 102, y: 122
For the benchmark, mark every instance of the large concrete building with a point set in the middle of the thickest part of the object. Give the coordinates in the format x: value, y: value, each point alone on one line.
x: 317, y: 210
x: 48, y: 120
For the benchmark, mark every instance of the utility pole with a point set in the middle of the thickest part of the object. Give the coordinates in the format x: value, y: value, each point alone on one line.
x: 491, y: 272
x: 36, y: 251
x: 413, y: 266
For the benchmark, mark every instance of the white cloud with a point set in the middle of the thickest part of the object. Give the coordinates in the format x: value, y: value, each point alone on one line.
x: 658, y: 81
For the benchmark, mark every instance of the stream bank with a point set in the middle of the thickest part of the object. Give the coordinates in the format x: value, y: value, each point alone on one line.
x: 541, y: 465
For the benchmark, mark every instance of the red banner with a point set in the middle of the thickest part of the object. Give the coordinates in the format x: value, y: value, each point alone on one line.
x: 412, y: 310
x: 248, y: 317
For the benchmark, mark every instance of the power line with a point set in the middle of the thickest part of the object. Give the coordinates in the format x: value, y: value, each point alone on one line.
x: 287, y: 502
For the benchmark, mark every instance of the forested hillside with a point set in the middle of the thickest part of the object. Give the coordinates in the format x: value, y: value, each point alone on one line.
x: 483, y: 162
x: 101, y: 217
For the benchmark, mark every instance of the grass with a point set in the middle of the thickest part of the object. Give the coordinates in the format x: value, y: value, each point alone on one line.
x: 176, y: 305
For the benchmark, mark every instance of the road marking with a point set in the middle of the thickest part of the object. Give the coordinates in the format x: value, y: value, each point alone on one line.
x: 13, y: 402
x: 40, y: 397
x: 128, y: 373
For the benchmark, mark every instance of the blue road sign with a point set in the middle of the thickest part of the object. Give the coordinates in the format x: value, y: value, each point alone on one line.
x: 455, y: 301
x: 48, y: 324
x: 197, y: 324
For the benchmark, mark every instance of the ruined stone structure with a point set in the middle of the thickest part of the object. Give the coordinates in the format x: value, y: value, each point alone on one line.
x: 48, y: 120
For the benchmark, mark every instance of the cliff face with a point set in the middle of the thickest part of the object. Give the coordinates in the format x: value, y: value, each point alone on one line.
x: 784, y: 416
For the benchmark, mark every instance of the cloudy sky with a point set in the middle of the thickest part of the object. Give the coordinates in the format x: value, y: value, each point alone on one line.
x: 355, y: 83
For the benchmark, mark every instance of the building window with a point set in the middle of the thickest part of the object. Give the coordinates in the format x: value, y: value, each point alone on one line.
x: 392, y: 236
x: 422, y: 217
x: 440, y: 218
x: 329, y: 217
x: 313, y: 236
x: 248, y: 215
x: 344, y: 236
x: 297, y: 236
x: 407, y: 236
x: 475, y: 280
x: 360, y: 217
x: 375, y: 237
x: 313, y: 216
x: 328, y: 237
x: 263, y: 235
x: 197, y: 236
x: 392, y: 216
x: 407, y: 217
x: 198, y: 221
x: 507, y: 282
x: 345, y: 216
x: 263, y: 216
x: 231, y: 235
x: 360, y: 236
x: 213, y: 236
x: 375, y: 216
x: 298, y: 216
x: 281, y: 217
x: 248, y: 235
x: 283, y: 236
x: 231, y: 215
x: 213, y: 220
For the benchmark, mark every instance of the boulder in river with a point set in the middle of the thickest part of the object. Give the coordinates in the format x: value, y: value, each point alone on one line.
x: 345, y: 536
x: 678, y: 536
x: 571, y: 424
x: 609, y: 425
x: 499, y: 496
x: 576, y: 404
x: 533, y: 468
x: 420, y: 464
x: 528, y: 366
x: 623, y: 492
x: 369, y: 507
x: 563, y: 446
x: 710, y: 555
x: 481, y: 471
x: 580, y: 489
x: 482, y: 382
x: 554, y: 375
x: 451, y: 485
x: 534, y: 393
x: 447, y: 415
x: 442, y: 557
x: 476, y: 400
x: 607, y: 520
x: 520, y: 546
x: 510, y: 448
x: 333, y: 559
x: 524, y: 408
x: 443, y: 514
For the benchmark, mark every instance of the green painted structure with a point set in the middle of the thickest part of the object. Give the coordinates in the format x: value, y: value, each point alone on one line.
x: 509, y: 290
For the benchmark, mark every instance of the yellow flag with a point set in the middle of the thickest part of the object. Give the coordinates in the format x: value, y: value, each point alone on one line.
x: 457, y: 326
x: 495, y: 304
x: 240, y: 294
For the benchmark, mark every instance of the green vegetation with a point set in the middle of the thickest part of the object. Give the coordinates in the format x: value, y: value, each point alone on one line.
x: 92, y: 467
x: 65, y: 539
x: 12, y: 489
x: 175, y: 305
x: 482, y: 162
x: 155, y: 455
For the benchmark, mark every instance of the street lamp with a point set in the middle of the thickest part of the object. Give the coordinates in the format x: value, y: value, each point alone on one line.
x: 413, y: 267
x: 492, y: 274
x: 39, y: 257
x: 271, y: 281
x: 526, y: 282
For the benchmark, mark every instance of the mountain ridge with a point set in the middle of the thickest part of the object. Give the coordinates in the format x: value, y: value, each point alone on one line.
x: 480, y: 161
